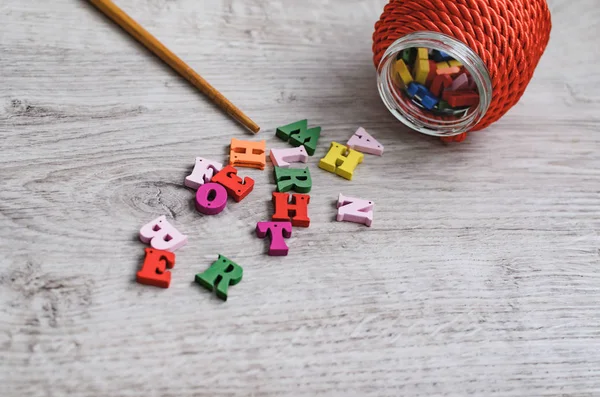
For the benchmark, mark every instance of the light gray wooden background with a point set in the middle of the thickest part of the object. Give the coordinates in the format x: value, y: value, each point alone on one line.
x: 480, y: 275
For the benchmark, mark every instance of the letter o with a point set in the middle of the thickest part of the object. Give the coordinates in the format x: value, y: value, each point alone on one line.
x: 211, y: 198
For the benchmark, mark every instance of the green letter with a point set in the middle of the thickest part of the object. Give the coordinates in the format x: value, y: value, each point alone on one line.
x: 221, y: 274
x: 293, y: 179
x: 298, y: 134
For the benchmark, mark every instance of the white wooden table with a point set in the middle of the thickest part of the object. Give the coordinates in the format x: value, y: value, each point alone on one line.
x: 480, y: 275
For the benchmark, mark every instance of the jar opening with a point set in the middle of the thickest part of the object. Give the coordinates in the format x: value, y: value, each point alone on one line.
x: 434, y: 84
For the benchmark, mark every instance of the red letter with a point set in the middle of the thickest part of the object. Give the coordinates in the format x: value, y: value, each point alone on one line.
x: 235, y: 186
x: 154, y: 270
x: 297, y: 210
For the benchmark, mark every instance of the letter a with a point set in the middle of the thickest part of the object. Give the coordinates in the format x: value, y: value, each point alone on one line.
x: 364, y: 142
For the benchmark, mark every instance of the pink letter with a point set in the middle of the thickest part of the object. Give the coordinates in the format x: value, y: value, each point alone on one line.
x: 203, y: 172
x: 211, y: 198
x: 460, y: 83
x: 162, y: 235
x: 355, y: 210
x: 277, y: 230
x: 283, y: 157
x: 364, y: 142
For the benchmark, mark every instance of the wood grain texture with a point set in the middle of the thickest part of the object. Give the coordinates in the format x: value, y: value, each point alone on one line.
x: 128, y: 24
x: 479, y: 276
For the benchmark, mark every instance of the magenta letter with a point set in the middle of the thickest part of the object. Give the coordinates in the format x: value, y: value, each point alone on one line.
x: 211, y: 198
x: 277, y: 230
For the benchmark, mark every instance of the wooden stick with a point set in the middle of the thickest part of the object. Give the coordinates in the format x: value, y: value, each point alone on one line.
x: 151, y: 43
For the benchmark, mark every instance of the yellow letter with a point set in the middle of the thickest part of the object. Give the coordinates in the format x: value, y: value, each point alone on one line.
x: 340, y: 163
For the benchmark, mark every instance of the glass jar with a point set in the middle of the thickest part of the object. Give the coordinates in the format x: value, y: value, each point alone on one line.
x: 443, y: 123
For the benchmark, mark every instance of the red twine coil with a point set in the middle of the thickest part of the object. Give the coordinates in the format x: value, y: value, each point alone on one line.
x: 509, y: 36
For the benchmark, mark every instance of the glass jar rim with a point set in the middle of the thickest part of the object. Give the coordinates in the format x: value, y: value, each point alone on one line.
x: 456, y: 49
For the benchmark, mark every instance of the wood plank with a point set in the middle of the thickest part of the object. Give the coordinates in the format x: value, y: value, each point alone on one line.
x: 477, y: 278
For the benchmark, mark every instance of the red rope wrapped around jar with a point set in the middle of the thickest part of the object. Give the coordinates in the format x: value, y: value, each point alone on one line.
x: 509, y: 36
